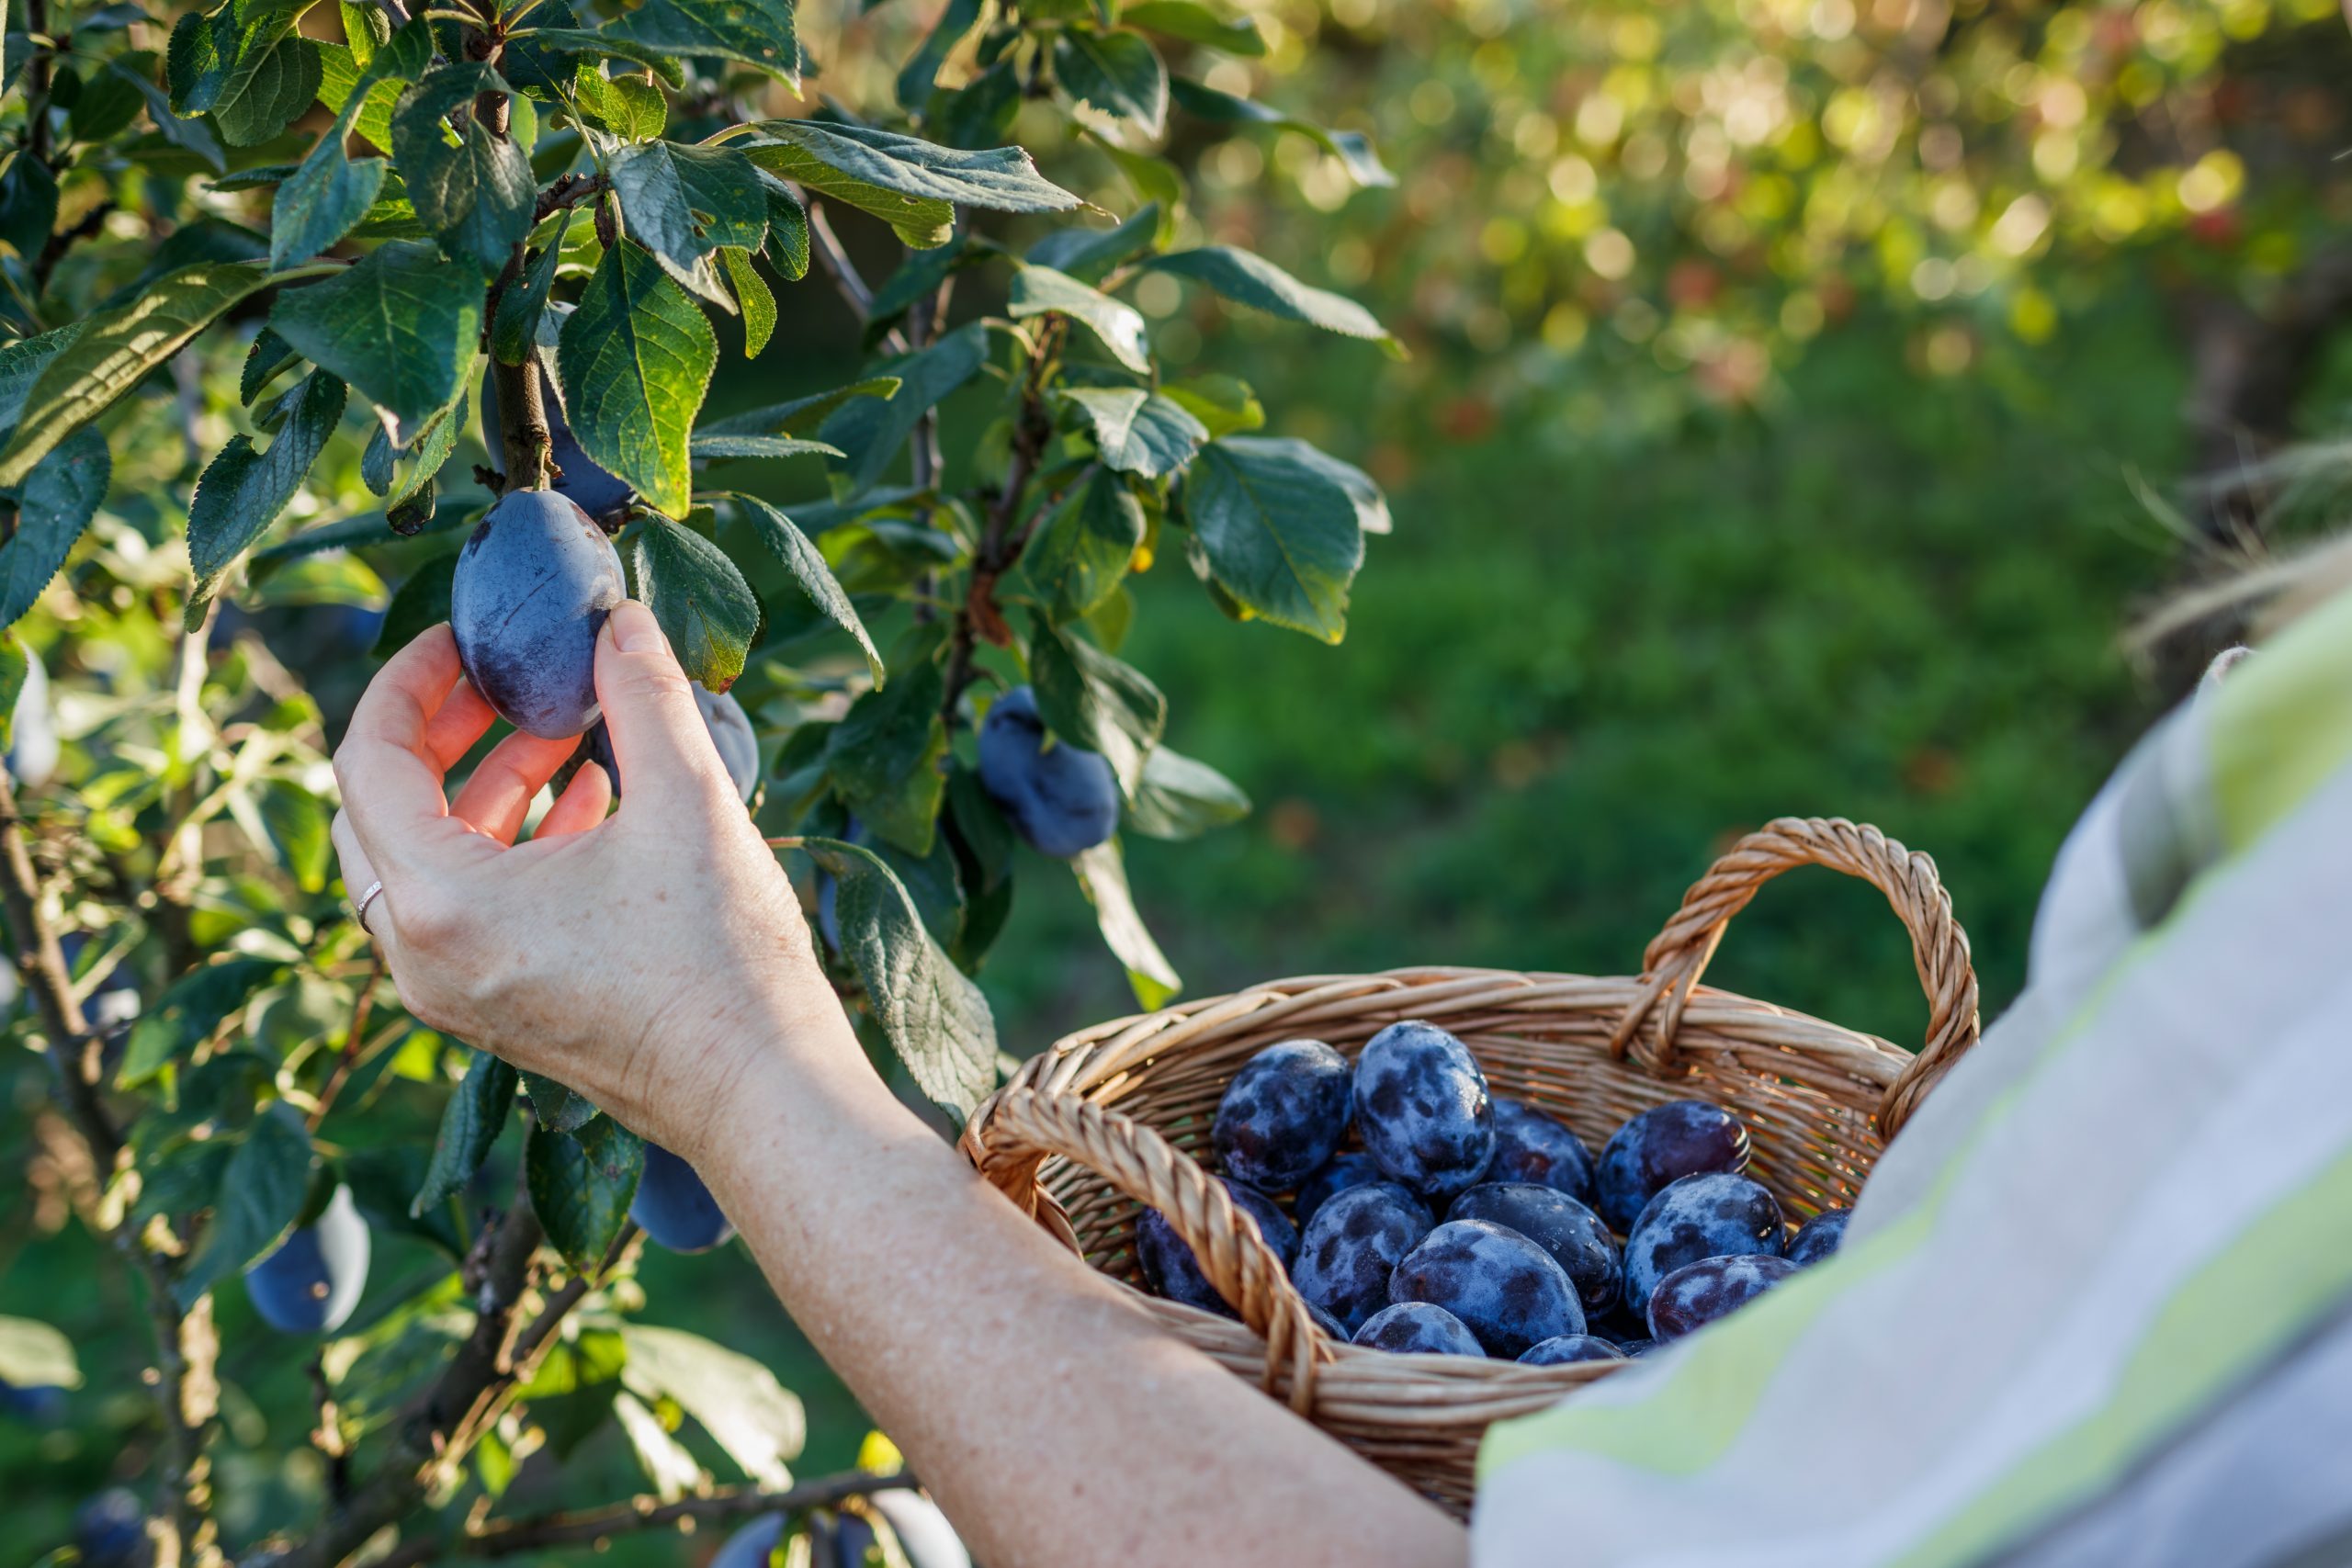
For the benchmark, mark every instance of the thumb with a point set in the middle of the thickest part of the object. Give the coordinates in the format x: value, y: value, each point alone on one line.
x: 660, y: 744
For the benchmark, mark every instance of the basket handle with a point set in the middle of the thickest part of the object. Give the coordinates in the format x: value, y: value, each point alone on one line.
x: 1009, y: 1137
x: 1678, y: 956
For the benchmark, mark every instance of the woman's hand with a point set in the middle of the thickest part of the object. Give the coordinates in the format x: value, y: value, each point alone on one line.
x: 644, y: 957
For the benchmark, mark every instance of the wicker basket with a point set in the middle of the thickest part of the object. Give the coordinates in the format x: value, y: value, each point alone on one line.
x: 1113, y: 1116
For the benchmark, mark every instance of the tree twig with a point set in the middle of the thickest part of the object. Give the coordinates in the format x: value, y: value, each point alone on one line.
x: 999, y: 547
x: 827, y: 247
x: 349, y: 1056
x: 500, y: 1537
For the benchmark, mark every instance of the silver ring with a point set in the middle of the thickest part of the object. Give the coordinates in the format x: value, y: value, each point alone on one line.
x: 359, y: 910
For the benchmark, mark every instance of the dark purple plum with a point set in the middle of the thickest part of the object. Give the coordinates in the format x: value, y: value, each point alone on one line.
x: 1571, y: 1232
x: 1341, y: 1172
x: 36, y: 1404
x: 753, y: 1545
x: 1062, y: 800
x: 1666, y: 1143
x: 1507, y: 1289
x: 1417, y: 1328
x: 1711, y: 1215
x: 1569, y: 1348
x: 1422, y: 1106
x: 1282, y: 1114
x: 111, y: 1531
x: 1174, y: 1272
x: 1331, y: 1327
x: 1819, y: 1236
x: 1532, y: 1146
x: 595, y: 491
x: 1697, y: 1293
x: 673, y: 1206
x: 1352, y: 1245
x: 532, y: 590
x: 1635, y: 1349
x: 311, y: 1282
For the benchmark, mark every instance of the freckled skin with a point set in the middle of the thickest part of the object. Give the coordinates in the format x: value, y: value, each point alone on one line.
x: 1664, y: 1143
x: 1568, y: 1348
x: 1417, y: 1328
x: 673, y: 1206
x: 1699, y: 1293
x: 1819, y: 1236
x: 1062, y: 800
x: 1712, y: 1215
x: 1571, y: 1232
x: 1334, y: 1177
x: 1531, y: 1146
x: 1352, y: 1246
x: 532, y: 588
x: 1172, y: 1270
x: 1505, y: 1288
x: 1283, y: 1115
x: 1422, y: 1106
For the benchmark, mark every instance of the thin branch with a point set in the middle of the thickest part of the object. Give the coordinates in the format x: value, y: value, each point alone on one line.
x: 999, y: 547
x: 827, y: 247
x: 349, y: 1056
x: 589, y: 1525
x: 569, y: 191
x: 63, y: 241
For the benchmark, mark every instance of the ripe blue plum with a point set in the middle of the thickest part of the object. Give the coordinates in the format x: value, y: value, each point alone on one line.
x: 1819, y: 1236
x: 1531, y: 1146
x: 730, y: 731
x: 752, y: 1546
x: 1422, y: 1106
x: 1062, y: 800
x: 1666, y: 1143
x: 1325, y: 1322
x: 1571, y: 1232
x: 43, y: 1404
x: 1569, y: 1348
x: 1635, y: 1349
x: 1697, y: 1293
x: 1711, y: 1215
x: 33, y: 743
x: 1505, y: 1288
x: 1352, y: 1246
x: 1172, y: 1270
x: 311, y: 1282
x: 532, y: 588
x: 1335, y: 1176
x: 592, y: 489
x: 1282, y: 1114
x: 111, y: 1531
x: 1418, y: 1328
x: 673, y: 1206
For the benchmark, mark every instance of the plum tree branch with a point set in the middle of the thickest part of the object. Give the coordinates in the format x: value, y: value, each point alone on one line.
x: 827, y: 247
x: 588, y: 1526
x: 999, y: 547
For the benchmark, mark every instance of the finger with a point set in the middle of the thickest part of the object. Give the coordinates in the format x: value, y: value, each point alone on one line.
x: 658, y: 741
x: 464, y: 718
x: 390, y: 774
x: 580, y: 807
x: 359, y: 876
x: 497, y: 797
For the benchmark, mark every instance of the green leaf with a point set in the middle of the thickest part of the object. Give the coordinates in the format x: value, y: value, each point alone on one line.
x: 192, y: 135
x: 400, y: 326
x: 1180, y: 798
x: 262, y: 1192
x: 738, y: 1400
x: 918, y: 278
x: 982, y: 113
x: 242, y: 490
x: 478, y: 195
x: 1083, y: 549
x: 270, y: 88
x: 471, y: 1123
x: 1091, y: 699
x: 1353, y: 149
x: 914, y: 184
x: 55, y: 503
x: 921, y: 73
x: 681, y: 203
x: 757, y: 32
x: 1364, y: 494
x: 1102, y: 875
x: 787, y: 247
x: 569, y: 43
x: 1117, y: 73
x: 581, y: 1184
x: 108, y: 104
x: 1156, y: 181
x: 779, y: 418
x: 752, y: 296
x: 1223, y: 404
x: 933, y: 1016
x: 269, y: 358
x: 872, y: 431
x: 634, y: 360
x: 1281, y: 535
x: 1195, y: 24
x: 328, y: 194
x: 1039, y: 289
x: 806, y: 565
x: 720, y: 446
x: 706, y: 608
x: 883, y: 757
x: 21, y: 363
x: 631, y: 109
x: 34, y: 1355
x: 115, y: 349
x: 557, y: 1107
x: 1088, y: 253
x: 1252, y: 280
x: 1136, y: 432
x: 421, y: 603
x: 15, y: 665
x: 27, y: 205
x: 515, y: 326
x: 190, y: 1009
x: 405, y: 479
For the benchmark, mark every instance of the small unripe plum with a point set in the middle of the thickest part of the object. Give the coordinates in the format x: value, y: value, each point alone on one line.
x: 311, y: 1282
x: 1417, y: 1328
x: 752, y: 1546
x: 1711, y: 1215
x: 1332, y: 1177
x: 1505, y: 1288
x: 1571, y: 1232
x: 1569, y: 1348
x: 673, y: 1206
x: 111, y: 1531
x: 1172, y: 1270
x: 1062, y: 800
x: 33, y: 743
x: 1666, y: 1143
x: 1421, y: 1103
x: 1531, y: 1146
x: 1697, y: 1293
x: 532, y: 590
x: 1353, y: 1244
x: 1282, y: 1114
x: 1819, y: 1236
x: 597, y: 493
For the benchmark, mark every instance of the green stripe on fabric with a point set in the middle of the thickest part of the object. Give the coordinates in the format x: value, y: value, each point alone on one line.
x: 2282, y: 723
x: 2262, y: 1291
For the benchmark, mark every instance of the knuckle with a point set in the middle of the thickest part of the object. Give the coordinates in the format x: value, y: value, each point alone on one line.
x: 652, y: 678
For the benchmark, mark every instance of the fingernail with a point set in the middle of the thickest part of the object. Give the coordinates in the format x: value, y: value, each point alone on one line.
x: 634, y: 629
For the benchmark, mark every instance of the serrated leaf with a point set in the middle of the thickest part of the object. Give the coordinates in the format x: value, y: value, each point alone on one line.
x: 1083, y: 549
x: 192, y: 135
x: 634, y: 360
x: 706, y: 608
x: 807, y: 564
x: 55, y: 503
x: 682, y: 202
x: 471, y: 1123
x: 270, y: 88
x: 21, y: 363
x: 1180, y: 798
x: 27, y: 205
x: 705, y: 446
x: 1353, y: 149
x: 477, y: 196
x: 262, y: 1192
x: 541, y: 47
x: 1195, y: 24
x: 1037, y: 290
x: 1363, y: 493
x: 1250, y: 279
x: 631, y: 109
x: 1088, y: 255
x: 581, y: 1184
x: 1091, y: 699
x: 883, y: 757
x: 34, y: 1355
x: 557, y: 1107
x: 752, y: 296
x: 1223, y: 404
x: 400, y: 327
x: 757, y: 32
x: 788, y: 247
x: 242, y: 490
x: 910, y: 183
x: 1102, y: 875
x: 799, y: 414
x: 1117, y: 73
x: 872, y: 431
x: 921, y: 73
x: 1280, y: 535
x: 269, y: 358
x: 115, y: 350
x: 515, y: 326
x: 934, y: 1018
x: 1136, y: 432
x: 982, y: 113
x: 737, y: 1400
x: 189, y: 1010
